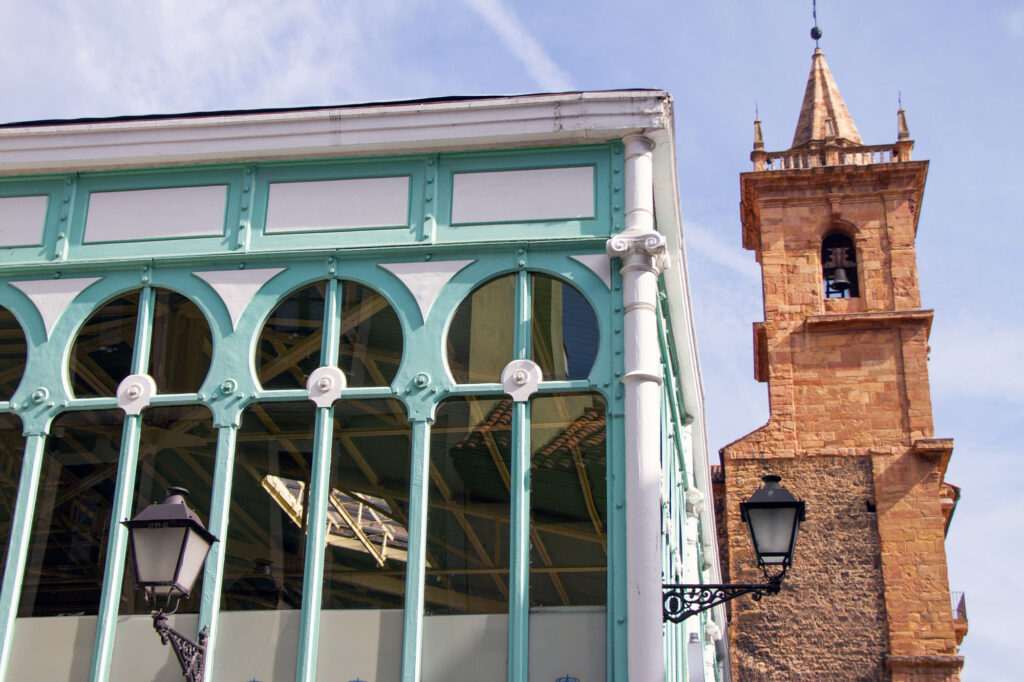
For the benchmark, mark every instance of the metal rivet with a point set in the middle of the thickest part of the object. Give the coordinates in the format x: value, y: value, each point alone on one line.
x: 618, y: 331
x: 430, y: 181
x: 246, y: 188
x: 68, y: 181
x: 429, y: 199
x: 522, y: 263
x: 615, y: 170
x: 228, y: 386
x: 521, y: 251
x: 331, y: 270
x: 422, y: 379
x: 241, y: 266
x: 330, y: 259
x: 63, y: 218
x: 325, y: 384
x: 56, y: 275
x: 427, y: 257
x: 430, y: 162
x: 40, y: 395
x: 134, y: 391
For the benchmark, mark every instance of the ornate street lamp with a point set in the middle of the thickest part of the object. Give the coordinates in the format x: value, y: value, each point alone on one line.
x: 169, y: 548
x: 773, y: 518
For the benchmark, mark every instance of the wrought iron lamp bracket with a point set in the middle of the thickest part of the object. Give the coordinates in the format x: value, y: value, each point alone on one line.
x: 679, y: 602
x: 191, y: 655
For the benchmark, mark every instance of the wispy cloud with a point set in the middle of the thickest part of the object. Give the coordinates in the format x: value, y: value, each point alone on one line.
x: 702, y: 242
x: 521, y: 43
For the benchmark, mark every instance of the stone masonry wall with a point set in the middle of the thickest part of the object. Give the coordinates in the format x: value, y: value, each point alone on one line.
x: 828, y: 623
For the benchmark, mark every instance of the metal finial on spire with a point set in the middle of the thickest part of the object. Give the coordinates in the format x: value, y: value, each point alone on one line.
x: 899, y: 98
x: 816, y: 31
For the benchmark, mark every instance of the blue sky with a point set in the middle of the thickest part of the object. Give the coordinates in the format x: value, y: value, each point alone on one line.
x: 959, y: 66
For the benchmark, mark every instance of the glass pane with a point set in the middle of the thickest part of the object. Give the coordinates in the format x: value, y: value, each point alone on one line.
x: 467, y: 527
x: 564, y: 330
x: 102, y: 354
x: 367, y: 512
x: 177, y: 448
x: 480, y: 336
x: 371, y: 337
x: 367, y: 543
x: 12, y: 449
x: 266, y: 539
x: 156, y: 553
x: 289, y: 345
x: 182, y: 344
x: 64, y: 571
x: 568, y: 501
x: 13, y: 353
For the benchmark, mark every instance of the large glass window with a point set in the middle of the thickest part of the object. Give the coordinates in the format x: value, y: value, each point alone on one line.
x: 568, y: 514
x: 13, y: 354
x: 67, y: 550
x: 564, y: 336
x: 179, y: 355
x: 290, y: 343
x: 177, y: 447
x: 12, y: 448
x: 468, y: 522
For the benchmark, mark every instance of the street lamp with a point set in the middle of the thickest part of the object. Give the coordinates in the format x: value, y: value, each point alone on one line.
x: 773, y: 518
x: 169, y: 548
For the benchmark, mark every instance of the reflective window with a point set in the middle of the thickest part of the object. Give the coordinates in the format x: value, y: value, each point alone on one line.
x: 179, y: 353
x: 480, y: 336
x: 290, y: 343
x: 468, y: 521
x: 67, y: 551
x: 368, y: 506
x: 568, y: 548
x: 177, y: 448
x: 12, y: 449
x: 13, y: 354
x: 182, y: 344
x: 102, y: 354
x: 266, y: 540
x: 564, y: 333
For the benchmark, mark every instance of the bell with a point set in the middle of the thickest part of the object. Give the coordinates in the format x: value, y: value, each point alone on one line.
x: 840, y: 282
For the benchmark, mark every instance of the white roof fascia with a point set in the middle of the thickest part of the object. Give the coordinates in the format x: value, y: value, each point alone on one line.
x: 519, y: 121
x: 669, y: 222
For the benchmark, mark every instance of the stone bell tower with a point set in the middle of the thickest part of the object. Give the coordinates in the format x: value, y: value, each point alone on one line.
x: 844, y: 350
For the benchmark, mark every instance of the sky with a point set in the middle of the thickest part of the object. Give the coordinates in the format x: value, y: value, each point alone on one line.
x: 958, y: 66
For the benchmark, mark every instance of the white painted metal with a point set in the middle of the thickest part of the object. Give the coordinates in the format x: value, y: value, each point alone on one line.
x: 513, y: 196
x: 520, y: 379
x: 643, y: 255
x: 134, y: 393
x: 52, y: 296
x: 325, y: 385
x: 327, y: 205
x: 137, y: 214
x: 237, y: 287
x: 530, y: 120
x: 598, y: 263
x: 425, y: 279
x: 21, y: 220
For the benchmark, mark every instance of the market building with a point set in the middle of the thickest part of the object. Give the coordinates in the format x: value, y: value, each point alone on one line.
x: 427, y: 370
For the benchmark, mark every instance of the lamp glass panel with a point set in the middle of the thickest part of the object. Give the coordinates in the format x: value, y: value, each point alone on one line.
x: 772, y: 531
x: 156, y: 553
x: 193, y: 555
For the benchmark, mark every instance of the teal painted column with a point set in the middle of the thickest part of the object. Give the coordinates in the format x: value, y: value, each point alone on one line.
x: 519, y: 488
x: 121, y: 506
x: 519, y: 569
x: 415, y: 576
x: 220, y: 504
x: 319, y: 488
x: 21, y: 535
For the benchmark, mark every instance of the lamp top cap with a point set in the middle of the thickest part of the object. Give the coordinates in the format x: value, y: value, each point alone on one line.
x: 771, y: 478
x: 175, y: 492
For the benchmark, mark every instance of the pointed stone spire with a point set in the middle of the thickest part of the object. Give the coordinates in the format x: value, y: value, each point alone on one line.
x: 758, y: 137
x: 823, y: 115
x: 902, y: 130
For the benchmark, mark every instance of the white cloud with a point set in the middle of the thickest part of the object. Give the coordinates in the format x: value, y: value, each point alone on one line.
x: 703, y: 243
x: 503, y: 21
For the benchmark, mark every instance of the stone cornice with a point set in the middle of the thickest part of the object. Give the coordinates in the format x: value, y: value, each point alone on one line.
x: 894, y: 318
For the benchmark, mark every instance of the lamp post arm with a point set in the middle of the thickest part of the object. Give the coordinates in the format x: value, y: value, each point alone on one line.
x: 679, y: 602
x: 191, y: 655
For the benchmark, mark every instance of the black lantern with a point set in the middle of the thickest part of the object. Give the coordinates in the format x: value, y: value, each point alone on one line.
x: 773, y: 517
x: 169, y: 548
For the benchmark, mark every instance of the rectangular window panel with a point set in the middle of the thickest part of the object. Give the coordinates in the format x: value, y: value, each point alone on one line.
x: 327, y: 205
x: 132, y: 215
x: 12, y: 449
x: 67, y: 551
x: 21, y: 220
x: 568, y: 542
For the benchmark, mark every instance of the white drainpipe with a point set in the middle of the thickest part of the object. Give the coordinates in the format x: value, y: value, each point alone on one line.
x: 643, y: 255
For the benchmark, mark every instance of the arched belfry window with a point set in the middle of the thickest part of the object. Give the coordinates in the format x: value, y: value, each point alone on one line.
x: 839, y: 266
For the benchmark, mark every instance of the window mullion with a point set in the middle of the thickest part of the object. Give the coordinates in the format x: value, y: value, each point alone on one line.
x: 419, y: 484
x: 220, y: 504
x: 20, y: 539
x: 519, y: 552
x: 121, y: 507
x: 316, y: 508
